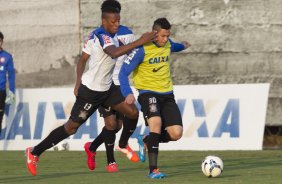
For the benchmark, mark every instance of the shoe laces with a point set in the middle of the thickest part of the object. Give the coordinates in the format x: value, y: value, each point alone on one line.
x: 156, y: 171
x: 112, y: 164
x: 35, y: 160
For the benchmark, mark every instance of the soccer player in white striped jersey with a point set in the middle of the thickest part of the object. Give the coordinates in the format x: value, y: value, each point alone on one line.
x: 114, y: 118
x: 94, y: 88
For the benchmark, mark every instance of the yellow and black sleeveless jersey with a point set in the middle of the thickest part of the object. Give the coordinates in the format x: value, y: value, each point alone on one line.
x: 151, y: 68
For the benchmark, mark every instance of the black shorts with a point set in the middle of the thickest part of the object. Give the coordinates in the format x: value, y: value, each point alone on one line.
x: 162, y: 105
x: 88, y: 101
x: 108, y: 111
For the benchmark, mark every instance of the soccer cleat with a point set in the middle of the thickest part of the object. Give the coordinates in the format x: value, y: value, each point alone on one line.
x: 156, y: 174
x: 142, y: 149
x: 112, y: 167
x: 31, y: 161
x: 130, y: 154
x: 90, y: 156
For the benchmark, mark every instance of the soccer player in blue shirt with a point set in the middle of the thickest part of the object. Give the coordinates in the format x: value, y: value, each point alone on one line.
x: 150, y: 65
x: 6, y: 67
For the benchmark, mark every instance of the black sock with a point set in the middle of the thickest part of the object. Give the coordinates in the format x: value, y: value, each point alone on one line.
x: 110, y: 137
x: 98, y: 141
x: 145, y: 139
x: 164, y: 136
x: 56, y: 136
x: 129, y: 125
x: 153, y: 150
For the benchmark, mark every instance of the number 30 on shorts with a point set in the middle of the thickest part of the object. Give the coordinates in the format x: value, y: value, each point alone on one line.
x: 152, y: 100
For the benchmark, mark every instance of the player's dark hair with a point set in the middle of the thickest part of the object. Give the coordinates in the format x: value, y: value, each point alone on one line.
x: 1, y: 36
x: 111, y: 6
x: 162, y: 23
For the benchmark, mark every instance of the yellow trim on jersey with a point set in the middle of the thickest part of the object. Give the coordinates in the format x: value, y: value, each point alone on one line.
x: 154, y: 72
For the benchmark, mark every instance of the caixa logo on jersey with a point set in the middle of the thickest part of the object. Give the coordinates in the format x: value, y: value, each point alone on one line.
x: 200, y: 118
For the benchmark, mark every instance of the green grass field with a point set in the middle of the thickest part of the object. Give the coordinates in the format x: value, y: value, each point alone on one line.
x: 183, y: 167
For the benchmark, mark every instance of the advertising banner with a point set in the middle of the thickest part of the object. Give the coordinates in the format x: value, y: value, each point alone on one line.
x: 215, y: 117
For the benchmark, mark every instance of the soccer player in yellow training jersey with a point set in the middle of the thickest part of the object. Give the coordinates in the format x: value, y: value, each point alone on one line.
x: 151, y: 77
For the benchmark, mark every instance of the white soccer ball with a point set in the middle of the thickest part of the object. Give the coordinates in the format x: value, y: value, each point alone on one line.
x: 212, y: 166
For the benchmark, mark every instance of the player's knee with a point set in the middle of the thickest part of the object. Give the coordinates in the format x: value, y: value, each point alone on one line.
x: 175, y: 135
x: 134, y: 114
x: 71, y: 127
x: 111, y: 126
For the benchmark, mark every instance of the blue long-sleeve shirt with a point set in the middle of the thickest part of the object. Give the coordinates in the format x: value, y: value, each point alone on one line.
x: 7, y: 67
x: 133, y: 60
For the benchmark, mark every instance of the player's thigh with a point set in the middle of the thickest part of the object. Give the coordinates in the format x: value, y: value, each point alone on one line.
x: 128, y: 110
x: 115, y: 97
x: 150, y: 105
x: 109, y: 117
x: 87, y: 102
x: 170, y: 112
x: 116, y: 101
x: 106, y: 111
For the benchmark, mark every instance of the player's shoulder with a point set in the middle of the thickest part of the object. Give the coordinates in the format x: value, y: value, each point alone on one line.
x: 6, y: 53
x: 100, y: 31
x: 138, y: 51
x: 124, y: 30
x: 171, y: 41
x: 93, y: 33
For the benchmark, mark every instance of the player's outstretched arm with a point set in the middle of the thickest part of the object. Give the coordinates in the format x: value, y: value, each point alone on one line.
x: 80, y: 66
x: 115, y: 52
x: 177, y: 47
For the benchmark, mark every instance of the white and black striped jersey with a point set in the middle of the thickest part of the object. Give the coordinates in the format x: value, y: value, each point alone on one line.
x: 99, y: 75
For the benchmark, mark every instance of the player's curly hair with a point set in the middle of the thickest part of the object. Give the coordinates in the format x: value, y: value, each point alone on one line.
x: 162, y: 23
x: 1, y: 36
x: 111, y: 6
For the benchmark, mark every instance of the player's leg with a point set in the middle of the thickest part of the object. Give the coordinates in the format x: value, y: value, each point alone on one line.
x: 151, y: 110
x: 172, y: 120
x: 153, y: 141
x: 109, y: 144
x: 116, y: 101
x: 142, y: 141
x: 129, y: 126
x: 129, y: 122
x: 2, y: 107
x: 83, y: 108
x: 110, y: 125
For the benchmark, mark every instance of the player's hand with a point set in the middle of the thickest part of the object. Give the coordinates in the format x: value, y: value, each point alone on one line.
x: 186, y: 44
x: 148, y: 37
x: 11, y: 98
x: 130, y: 99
